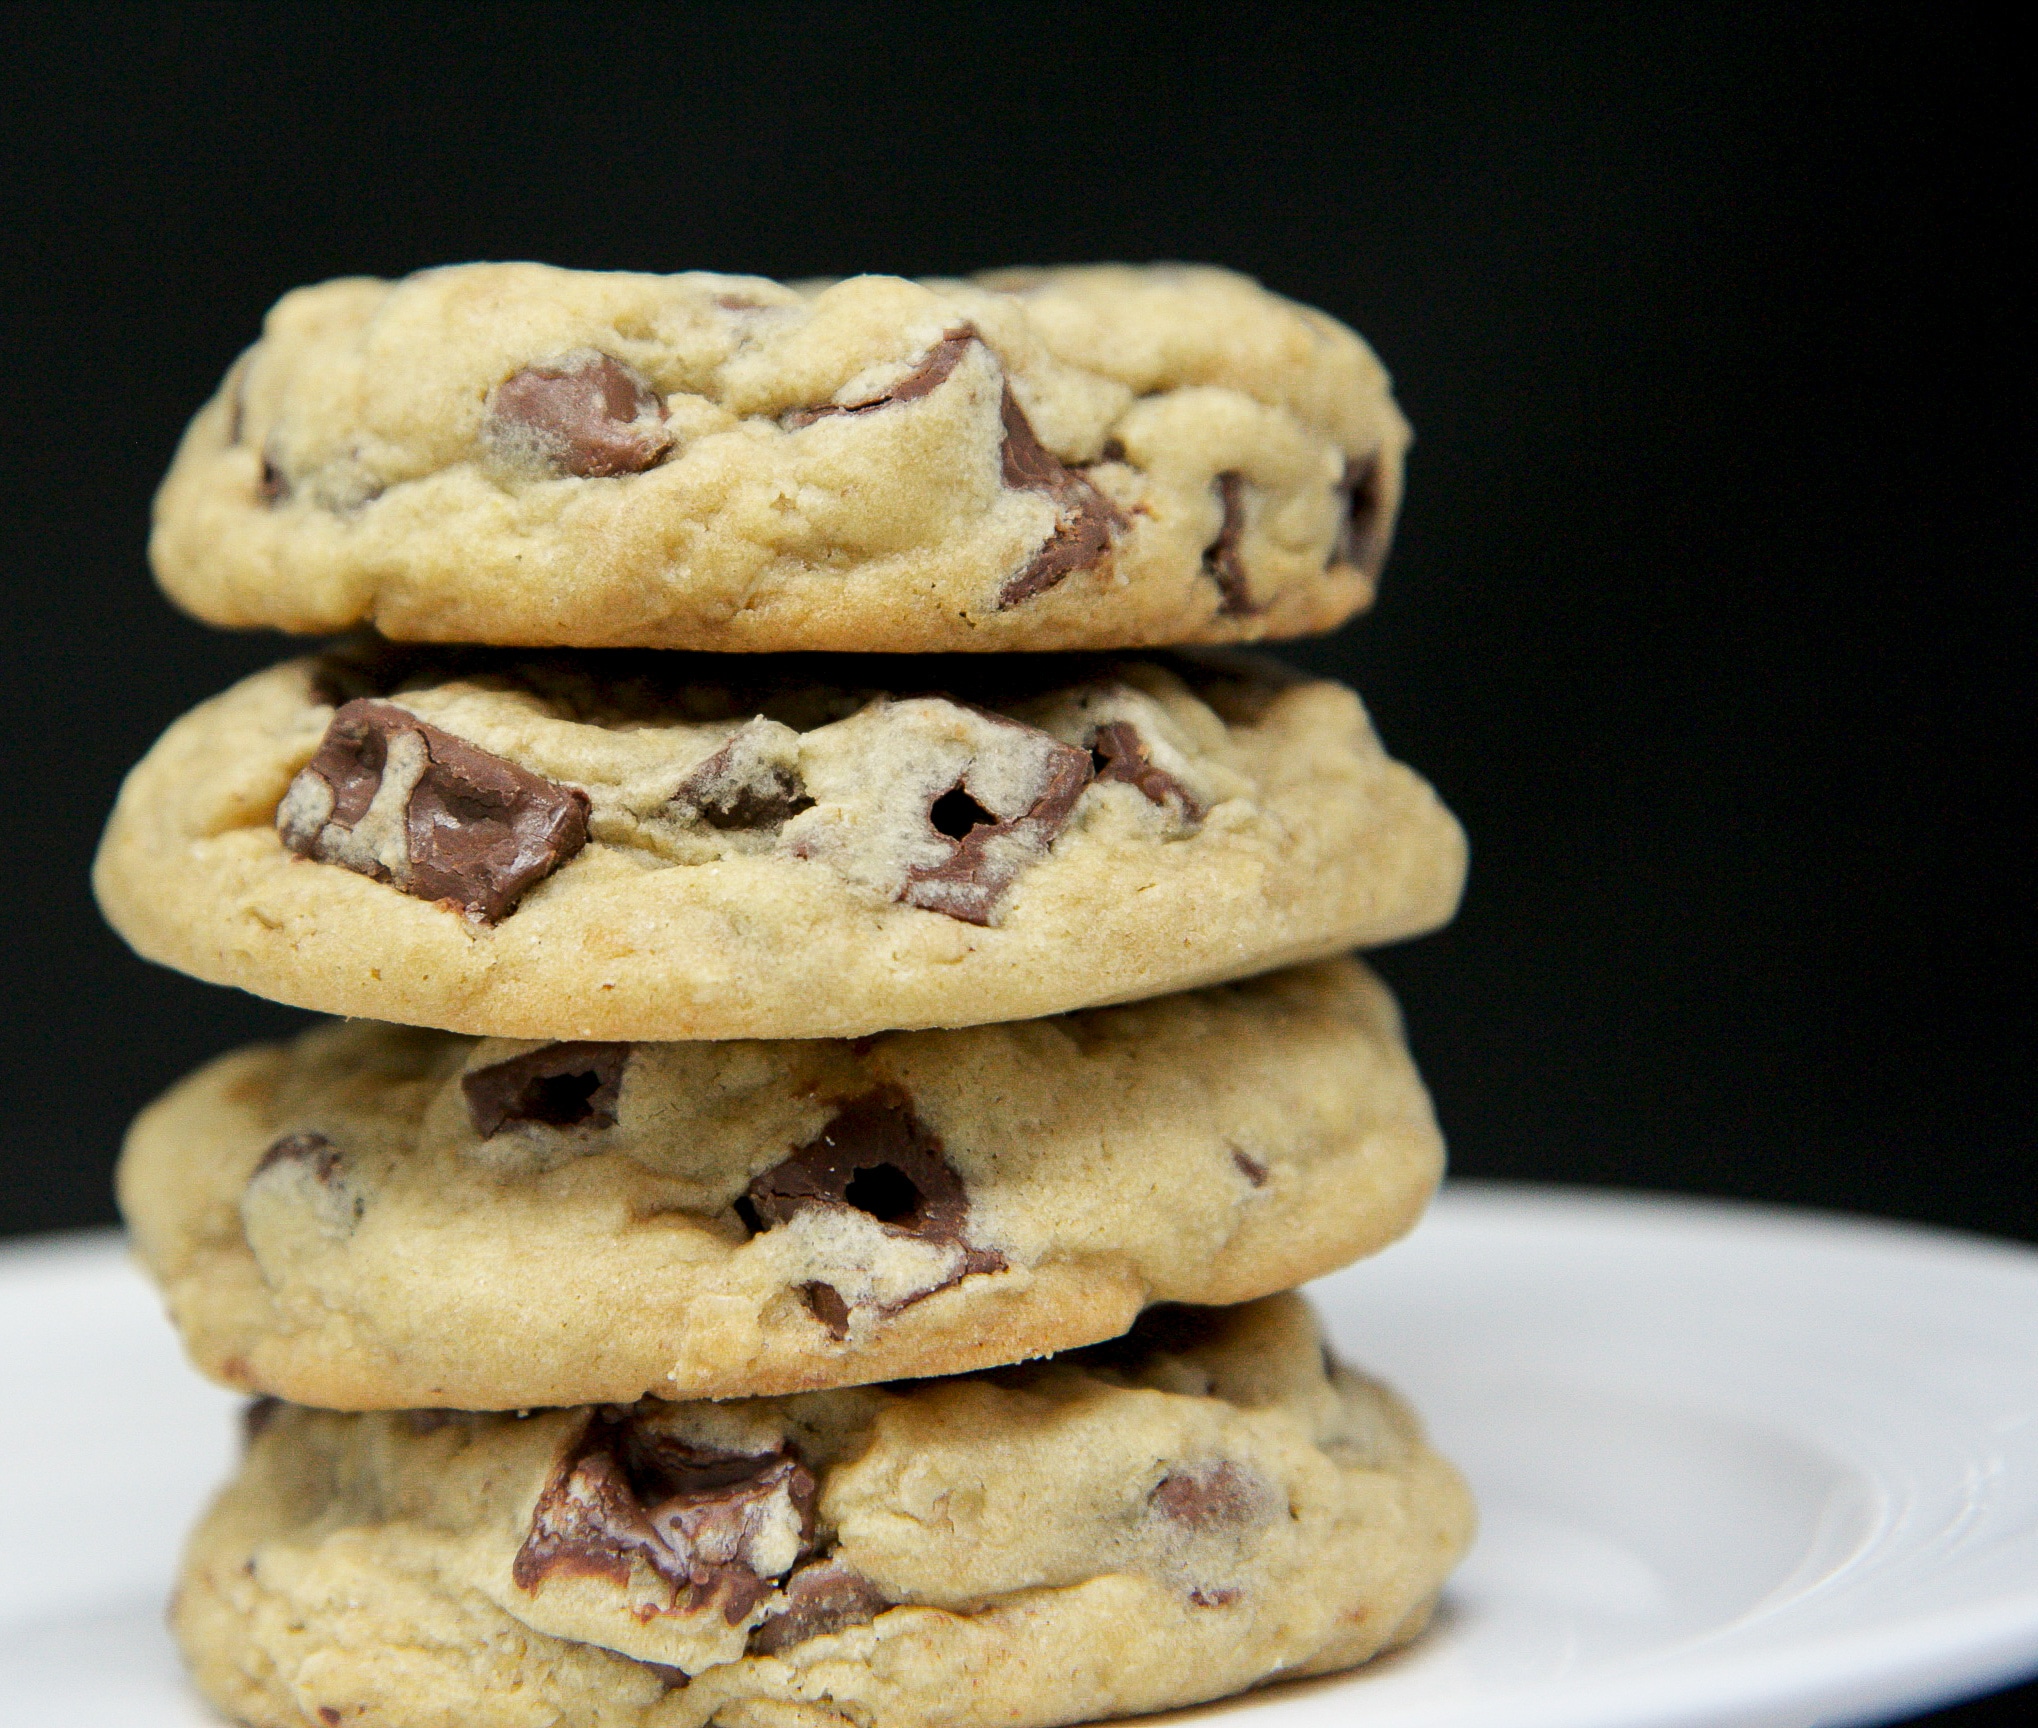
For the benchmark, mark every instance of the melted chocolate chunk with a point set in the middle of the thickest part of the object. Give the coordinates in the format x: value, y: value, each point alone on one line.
x: 1082, y: 538
x: 738, y: 787
x: 1223, y: 1496
x: 567, y: 1085
x: 314, y: 1151
x: 1120, y: 753
x: 822, y: 1596
x: 987, y: 853
x: 586, y: 415
x: 928, y: 376
x: 877, y: 1157
x: 825, y: 1303
x: 475, y: 830
x: 1362, y: 540
x: 718, y: 1527
x: 1221, y: 560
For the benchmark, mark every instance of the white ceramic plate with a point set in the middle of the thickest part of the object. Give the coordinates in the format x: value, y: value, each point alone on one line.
x: 1736, y: 1467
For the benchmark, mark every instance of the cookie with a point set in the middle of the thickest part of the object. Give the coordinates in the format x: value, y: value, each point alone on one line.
x: 1208, y: 1505
x: 657, y: 846
x: 510, y: 454
x: 375, y: 1217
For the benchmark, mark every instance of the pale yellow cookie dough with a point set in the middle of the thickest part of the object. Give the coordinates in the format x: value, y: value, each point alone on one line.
x: 770, y: 860
x: 1138, y: 1526
x: 514, y: 454
x: 377, y: 1218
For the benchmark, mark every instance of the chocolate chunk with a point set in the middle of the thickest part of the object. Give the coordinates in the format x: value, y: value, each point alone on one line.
x: 1362, y: 539
x: 314, y: 1151
x: 825, y: 1303
x: 932, y: 372
x: 566, y: 1085
x: 584, y: 414
x: 1120, y: 753
x: 718, y: 1527
x: 822, y: 1596
x: 987, y: 852
x: 879, y: 1158
x: 751, y: 782
x: 1082, y: 538
x: 1221, y: 560
x: 1223, y: 1496
x: 329, y: 1714
x: 399, y: 800
x: 1249, y: 1167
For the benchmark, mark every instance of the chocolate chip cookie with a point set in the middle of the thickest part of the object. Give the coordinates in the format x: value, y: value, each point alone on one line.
x: 375, y: 1217
x: 1101, y: 457
x: 657, y: 846
x: 1206, y: 1505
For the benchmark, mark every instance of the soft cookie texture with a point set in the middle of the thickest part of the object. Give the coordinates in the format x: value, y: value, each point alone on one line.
x: 618, y: 846
x: 1099, y: 457
x: 1204, y: 1506
x: 375, y: 1217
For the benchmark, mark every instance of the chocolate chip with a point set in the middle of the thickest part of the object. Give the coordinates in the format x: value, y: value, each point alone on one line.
x: 1082, y: 537
x: 932, y: 372
x: 825, y: 1303
x: 1362, y: 537
x: 750, y: 782
x: 877, y: 1158
x: 717, y: 1527
x: 1118, y: 752
x: 584, y: 414
x: 1223, y: 1496
x: 315, y: 1152
x: 565, y: 1085
x: 822, y: 1596
x: 394, y: 798
x: 1250, y: 1167
x: 1221, y: 560
x: 987, y: 852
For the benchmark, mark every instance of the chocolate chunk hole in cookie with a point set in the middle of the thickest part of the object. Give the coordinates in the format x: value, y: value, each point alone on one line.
x: 1118, y: 752
x: 395, y: 798
x: 717, y: 1527
x: 877, y: 1158
x: 1362, y: 540
x: 1221, y: 560
x: 565, y: 1085
x: 988, y: 851
x: 585, y: 414
x: 1082, y: 538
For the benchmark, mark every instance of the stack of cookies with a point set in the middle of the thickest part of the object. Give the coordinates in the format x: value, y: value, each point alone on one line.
x: 794, y: 1230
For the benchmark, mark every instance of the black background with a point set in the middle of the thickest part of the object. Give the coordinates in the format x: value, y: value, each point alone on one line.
x: 1711, y: 609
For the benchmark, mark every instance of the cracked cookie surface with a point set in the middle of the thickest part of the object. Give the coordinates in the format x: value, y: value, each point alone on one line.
x: 1207, y: 1504
x: 619, y: 846
x: 608, y: 1220
x: 1095, y: 457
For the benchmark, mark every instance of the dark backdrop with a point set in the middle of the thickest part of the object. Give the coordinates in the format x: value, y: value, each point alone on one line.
x: 1711, y: 608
